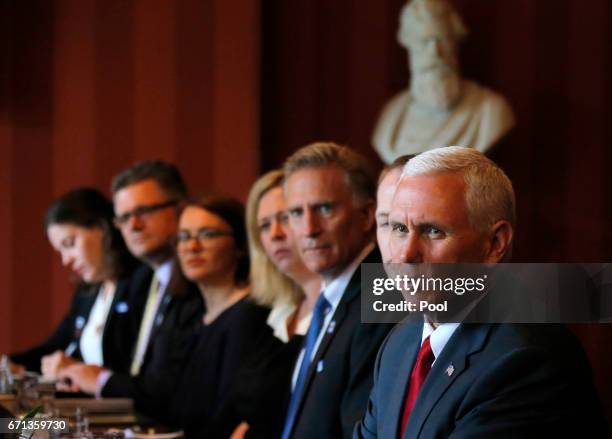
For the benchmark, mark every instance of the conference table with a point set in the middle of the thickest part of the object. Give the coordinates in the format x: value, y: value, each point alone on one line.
x: 81, y: 417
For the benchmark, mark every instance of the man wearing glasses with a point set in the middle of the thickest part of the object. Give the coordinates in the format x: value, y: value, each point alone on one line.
x: 146, y: 197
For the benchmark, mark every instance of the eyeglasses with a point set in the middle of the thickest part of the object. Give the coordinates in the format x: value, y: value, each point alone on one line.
x: 142, y: 211
x: 202, y: 235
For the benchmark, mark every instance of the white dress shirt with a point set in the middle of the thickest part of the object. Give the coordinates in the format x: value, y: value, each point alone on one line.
x: 90, y: 342
x: 280, y: 314
x: 438, y: 337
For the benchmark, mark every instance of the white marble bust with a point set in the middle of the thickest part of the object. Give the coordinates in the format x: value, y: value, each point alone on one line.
x: 440, y: 107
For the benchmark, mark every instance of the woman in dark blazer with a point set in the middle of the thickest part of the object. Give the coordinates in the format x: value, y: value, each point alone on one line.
x: 96, y: 329
x: 280, y: 280
x: 213, y: 254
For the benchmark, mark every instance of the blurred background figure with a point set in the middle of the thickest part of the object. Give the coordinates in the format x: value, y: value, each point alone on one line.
x: 146, y: 198
x: 212, y: 250
x: 279, y: 279
x: 79, y: 226
x: 387, y: 182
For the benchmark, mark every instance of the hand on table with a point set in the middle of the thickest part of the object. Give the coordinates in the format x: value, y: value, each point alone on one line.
x: 79, y: 377
x: 51, y: 364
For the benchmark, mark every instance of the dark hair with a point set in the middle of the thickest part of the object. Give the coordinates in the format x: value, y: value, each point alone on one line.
x: 88, y: 207
x: 232, y: 212
x: 165, y: 174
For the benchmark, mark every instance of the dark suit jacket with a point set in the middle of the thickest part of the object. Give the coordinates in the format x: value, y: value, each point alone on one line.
x: 335, y: 396
x: 117, y: 339
x: 179, y: 314
x: 506, y: 381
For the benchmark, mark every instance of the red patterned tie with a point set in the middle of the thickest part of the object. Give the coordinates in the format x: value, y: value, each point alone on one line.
x: 417, y: 378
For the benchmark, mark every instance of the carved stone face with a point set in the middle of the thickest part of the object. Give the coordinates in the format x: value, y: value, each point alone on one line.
x: 431, y: 30
x: 435, y: 69
x: 433, y: 49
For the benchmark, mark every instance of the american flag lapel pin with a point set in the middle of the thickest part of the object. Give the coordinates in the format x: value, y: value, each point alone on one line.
x: 450, y: 369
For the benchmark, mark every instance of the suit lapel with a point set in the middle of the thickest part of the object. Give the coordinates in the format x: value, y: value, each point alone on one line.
x: 466, y: 340
x: 330, y: 332
x: 351, y: 293
x: 119, y: 296
x: 337, y: 319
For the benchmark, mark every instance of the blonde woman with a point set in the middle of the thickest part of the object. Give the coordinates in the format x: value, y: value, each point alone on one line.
x: 280, y: 280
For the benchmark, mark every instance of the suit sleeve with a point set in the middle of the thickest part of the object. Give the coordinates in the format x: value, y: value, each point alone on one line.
x: 161, y: 370
x: 153, y: 387
x: 527, y: 395
x: 365, y: 346
x: 367, y: 428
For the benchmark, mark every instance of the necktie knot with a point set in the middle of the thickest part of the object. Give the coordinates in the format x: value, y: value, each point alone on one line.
x: 426, y: 355
x: 322, y: 307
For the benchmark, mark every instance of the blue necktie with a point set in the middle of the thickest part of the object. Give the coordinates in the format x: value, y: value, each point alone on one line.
x: 321, y: 308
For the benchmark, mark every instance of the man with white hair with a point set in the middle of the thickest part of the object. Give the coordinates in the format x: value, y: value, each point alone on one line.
x: 440, y: 107
x: 460, y: 380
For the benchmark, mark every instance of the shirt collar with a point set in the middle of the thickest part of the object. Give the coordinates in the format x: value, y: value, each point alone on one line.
x: 439, y: 336
x: 163, y: 274
x: 335, y: 289
x: 278, y: 317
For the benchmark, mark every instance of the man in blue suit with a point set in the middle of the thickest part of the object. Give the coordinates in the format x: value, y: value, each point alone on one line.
x: 453, y: 380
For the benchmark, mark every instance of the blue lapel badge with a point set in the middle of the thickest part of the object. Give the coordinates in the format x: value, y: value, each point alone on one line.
x: 79, y: 322
x: 331, y: 327
x: 320, y: 366
x: 122, y: 307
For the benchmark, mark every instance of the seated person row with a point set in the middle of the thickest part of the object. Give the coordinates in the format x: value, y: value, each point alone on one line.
x: 342, y: 210
x: 226, y: 365
x: 146, y: 200
x: 97, y: 328
x: 189, y: 350
x: 211, y: 248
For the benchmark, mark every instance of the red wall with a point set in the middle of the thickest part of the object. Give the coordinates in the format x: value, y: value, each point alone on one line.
x: 87, y: 87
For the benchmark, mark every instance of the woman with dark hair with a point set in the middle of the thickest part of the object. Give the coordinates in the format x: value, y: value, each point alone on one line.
x: 213, y: 253
x: 79, y: 226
